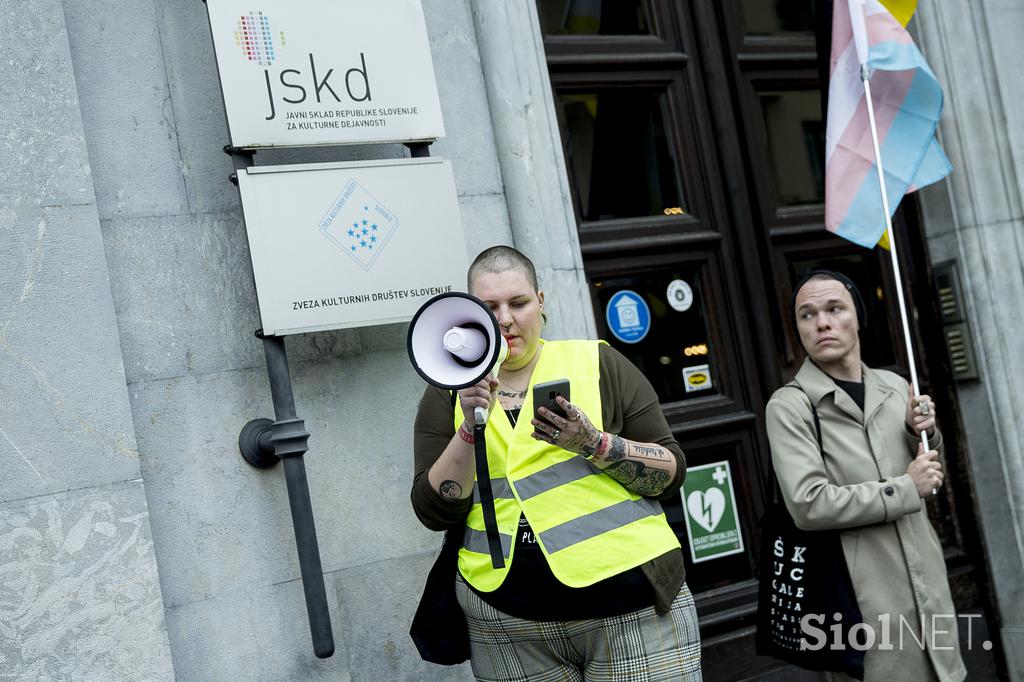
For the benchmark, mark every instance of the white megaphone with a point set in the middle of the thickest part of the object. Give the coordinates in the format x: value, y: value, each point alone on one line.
x: 454, y: 342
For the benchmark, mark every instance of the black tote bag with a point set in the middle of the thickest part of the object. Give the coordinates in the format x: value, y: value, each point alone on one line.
x: 439, y: 627
x: 805, y: 573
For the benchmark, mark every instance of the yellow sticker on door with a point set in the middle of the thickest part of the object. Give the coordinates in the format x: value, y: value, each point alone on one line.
x: 697, y: 378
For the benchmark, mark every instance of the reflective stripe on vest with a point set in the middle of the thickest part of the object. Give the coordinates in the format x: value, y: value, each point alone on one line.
x: 587, y: 525
x: 595, y: 523
x: 476, y: 541
x: 556, y: 475
x: 499, y: 488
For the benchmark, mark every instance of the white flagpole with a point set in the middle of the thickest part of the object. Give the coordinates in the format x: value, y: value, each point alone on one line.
x: 866, y: 77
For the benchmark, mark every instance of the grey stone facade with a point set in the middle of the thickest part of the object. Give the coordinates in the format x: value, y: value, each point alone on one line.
x: 79, y: 592
x: 126, y: 331
x: 976, y: 218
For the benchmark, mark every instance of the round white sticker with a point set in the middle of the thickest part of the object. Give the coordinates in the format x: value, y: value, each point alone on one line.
x: 679, y: 295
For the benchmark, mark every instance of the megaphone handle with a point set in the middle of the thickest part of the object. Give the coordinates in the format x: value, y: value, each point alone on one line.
x: 483, y: 482
x: 480, y: 415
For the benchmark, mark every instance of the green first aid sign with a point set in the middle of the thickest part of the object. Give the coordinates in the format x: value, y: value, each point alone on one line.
x: 711, y: 519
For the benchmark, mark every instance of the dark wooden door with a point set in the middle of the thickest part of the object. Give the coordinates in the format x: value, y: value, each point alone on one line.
x: 694, y: 141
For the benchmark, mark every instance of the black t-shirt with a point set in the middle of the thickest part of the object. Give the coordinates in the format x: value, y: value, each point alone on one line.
x: 531, y: 591
x: 855, y: 389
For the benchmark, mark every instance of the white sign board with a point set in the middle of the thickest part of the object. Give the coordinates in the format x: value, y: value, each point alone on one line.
x: 340, y: 245
x: 320, y: 73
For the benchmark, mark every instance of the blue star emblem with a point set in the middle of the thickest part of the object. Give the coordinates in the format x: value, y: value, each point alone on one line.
x: 358, y: 225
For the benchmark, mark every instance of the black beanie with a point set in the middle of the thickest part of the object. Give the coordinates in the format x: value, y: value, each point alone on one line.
x: 858, y: 302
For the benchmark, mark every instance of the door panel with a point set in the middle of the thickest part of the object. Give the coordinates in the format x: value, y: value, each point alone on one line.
x: 694, y: 142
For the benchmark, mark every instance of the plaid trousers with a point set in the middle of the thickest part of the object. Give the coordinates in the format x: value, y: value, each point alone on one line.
x: 637, y: 646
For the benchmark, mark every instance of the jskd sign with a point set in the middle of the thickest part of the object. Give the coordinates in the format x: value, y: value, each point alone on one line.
x: 319, y: 73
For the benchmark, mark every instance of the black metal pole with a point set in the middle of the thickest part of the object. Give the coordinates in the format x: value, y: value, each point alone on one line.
x: 289, y: 439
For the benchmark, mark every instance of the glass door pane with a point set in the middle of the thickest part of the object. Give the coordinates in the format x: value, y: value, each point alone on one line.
x: 619, y: 153
x: 593, y: 17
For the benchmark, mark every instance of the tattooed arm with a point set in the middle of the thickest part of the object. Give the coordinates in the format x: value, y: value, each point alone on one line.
x: 453, y: 473
x: 444, y: 465
x: 644, y: 468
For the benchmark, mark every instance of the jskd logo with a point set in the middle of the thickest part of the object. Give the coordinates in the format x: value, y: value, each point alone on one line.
x: 293, y: 80
x: 698, y: 379
x: 254, y: 36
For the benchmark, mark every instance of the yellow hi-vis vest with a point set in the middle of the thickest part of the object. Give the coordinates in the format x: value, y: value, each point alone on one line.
x: 588, y: 526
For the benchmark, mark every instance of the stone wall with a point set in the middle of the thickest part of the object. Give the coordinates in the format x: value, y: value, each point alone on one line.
x: 79, y: 592
x: 976, y: 218
x: 127, y: 312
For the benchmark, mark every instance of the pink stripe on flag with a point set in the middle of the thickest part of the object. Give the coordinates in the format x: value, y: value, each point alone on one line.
x: 842, y: 33
x: 854, y: 156
x: 883, y: 28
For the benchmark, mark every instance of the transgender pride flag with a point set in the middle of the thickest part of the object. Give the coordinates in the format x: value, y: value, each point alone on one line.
x: 907, y: 102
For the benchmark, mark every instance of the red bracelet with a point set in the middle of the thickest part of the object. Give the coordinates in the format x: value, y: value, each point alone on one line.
x: 466, y: 435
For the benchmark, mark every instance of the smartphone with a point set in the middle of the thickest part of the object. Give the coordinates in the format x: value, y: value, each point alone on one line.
x: 544, y: 396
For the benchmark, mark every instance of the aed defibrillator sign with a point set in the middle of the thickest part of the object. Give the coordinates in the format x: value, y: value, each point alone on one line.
x: 712, y: 522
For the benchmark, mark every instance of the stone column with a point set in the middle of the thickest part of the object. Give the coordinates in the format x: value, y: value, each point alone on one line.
x: 532, y: 165
x: 976, y: 218
x: 79, y: 592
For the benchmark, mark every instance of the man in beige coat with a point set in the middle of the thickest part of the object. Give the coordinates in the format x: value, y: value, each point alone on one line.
x: 870, y: 479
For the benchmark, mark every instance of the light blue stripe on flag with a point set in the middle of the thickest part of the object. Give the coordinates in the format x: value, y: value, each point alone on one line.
x: 934, y: 166
x: 892, y: 56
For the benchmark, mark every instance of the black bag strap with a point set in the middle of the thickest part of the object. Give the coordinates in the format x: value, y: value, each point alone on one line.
x: 814, y: 413
x: 776, y: 491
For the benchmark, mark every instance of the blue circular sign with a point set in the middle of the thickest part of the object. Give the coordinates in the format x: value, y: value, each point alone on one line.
x: 629, y: 318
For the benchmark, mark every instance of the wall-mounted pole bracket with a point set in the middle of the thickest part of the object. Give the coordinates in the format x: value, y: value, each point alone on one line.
x: 263, y: 443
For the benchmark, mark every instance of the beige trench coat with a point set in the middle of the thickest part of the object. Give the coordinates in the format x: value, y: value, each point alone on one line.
x: 860, y: 483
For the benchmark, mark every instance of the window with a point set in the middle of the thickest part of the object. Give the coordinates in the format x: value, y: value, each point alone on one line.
x: 675, y: 351
x: 796, y: 145
x: 593, y: 17
x: 619, y: 154
x: 778, y: 17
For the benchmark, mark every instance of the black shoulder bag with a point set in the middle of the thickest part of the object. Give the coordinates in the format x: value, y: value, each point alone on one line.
x: 804, y: 573
x: 439, y: 628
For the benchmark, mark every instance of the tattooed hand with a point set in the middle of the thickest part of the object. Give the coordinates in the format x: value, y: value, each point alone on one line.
x: 575, y: 434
